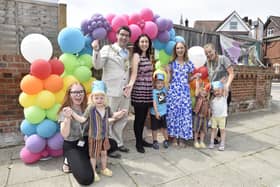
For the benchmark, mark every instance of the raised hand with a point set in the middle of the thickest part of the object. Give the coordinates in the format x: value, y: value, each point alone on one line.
x: 95, y: 45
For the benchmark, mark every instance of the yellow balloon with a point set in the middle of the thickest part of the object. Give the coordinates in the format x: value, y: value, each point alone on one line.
x: 26, y: 100
x: 192, y: 92
x: 68, y: 80
x: 59, y: 96
x: 88, y: 84
x: 45, y: 99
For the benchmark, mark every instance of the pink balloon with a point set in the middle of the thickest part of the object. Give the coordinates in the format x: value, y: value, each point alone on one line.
x: 147, y: 14
x: 134, y: 18
x: 119, y: 21
x: 126, y: 17
x: 55, y: 153
x: 110, y: 17
x: 150, y: 29
x: 112, y: 36
x: 27, y: 157
x: 135, y: 32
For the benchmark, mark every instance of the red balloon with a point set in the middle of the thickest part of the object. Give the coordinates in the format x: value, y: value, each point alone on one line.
x: 57, y: 67
x: 40, y: 68
x: 204, y: 72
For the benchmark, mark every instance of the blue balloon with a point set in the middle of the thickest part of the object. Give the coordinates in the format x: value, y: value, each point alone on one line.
x: 169, y: 47
x: 172, y: 34
x: 47, y: 128
x: 27, y: 128
x: 179, y: 39
x: 158, y: 45
x: 71, y: 40
x: 88, y: 48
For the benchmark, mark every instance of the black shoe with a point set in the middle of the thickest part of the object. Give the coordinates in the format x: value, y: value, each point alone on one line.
x: 140, y: 149
x: 147, y: 144
x: 123, y: 149
x: 216, y: 141
x: 115, y: 155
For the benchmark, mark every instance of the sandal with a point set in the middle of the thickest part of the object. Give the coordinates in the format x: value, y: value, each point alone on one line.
x: 106, y: 172
x: 66, y: 168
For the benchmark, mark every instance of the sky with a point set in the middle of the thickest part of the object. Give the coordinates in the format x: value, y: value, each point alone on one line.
x: 78, y: 10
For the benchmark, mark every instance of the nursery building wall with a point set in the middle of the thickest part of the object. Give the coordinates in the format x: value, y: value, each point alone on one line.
x: 18, y: 18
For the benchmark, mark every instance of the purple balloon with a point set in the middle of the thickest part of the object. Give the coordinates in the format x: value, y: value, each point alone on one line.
x: 163, y: 36
x: 55, y: 142
x: 162, y: 24
x: 156, y: 16
x: 84, y: 27
x: 35, y: 143
x: 169, y: 25
x: 99, y: 33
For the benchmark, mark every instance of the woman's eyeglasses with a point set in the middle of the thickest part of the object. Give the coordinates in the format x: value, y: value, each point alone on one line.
x: 78, y: 92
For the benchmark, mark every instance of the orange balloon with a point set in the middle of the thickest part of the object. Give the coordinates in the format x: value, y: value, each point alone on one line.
x: 31, y: 84
x: 53, y: 83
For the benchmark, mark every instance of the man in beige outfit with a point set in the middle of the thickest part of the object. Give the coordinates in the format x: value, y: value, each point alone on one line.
x: 114, y: 60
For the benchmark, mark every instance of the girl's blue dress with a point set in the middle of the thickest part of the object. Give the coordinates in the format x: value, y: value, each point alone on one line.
x: 179, y: 104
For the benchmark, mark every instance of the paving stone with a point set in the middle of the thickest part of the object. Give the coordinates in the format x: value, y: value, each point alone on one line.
x: 257, y: 169
x: 271, y: 156
x: 151, y: 171
x: 57, y: 181
x: 21, y: 173
x: 185, y: 181
x: 4, y: 173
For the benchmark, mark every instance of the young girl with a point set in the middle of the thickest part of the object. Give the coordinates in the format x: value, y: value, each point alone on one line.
x: 219, y: 113
x: 202, y: 112
x: 159, y: 110
x: 99, y: 116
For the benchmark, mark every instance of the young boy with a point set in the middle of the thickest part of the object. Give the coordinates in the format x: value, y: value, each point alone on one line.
x: 99, y: 116
x: 219, y: 113
x: 159, y: 110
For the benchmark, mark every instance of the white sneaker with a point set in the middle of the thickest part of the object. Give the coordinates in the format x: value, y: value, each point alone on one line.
x: 221, y: 148
x: 211, y: 146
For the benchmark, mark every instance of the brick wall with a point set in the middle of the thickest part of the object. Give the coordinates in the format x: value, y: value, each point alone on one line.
x: 13, y: 68
x: 251, y: 88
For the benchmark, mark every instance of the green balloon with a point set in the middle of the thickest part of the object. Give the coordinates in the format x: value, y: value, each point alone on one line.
x: 85, y: 60
x: 70, y: 62
x: 52, y: 112
x: 158, y: 65
x: 34, y: 114
x: 163, y: 57
x: 82, y: 73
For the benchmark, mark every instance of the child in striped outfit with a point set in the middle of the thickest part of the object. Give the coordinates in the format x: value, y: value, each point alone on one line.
x: 99, y: 116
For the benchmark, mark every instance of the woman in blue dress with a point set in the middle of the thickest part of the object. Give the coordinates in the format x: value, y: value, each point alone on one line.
x: 179, y: 104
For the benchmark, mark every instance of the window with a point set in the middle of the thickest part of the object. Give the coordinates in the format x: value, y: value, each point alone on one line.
x: 270, y: 31
x: 233, y: 25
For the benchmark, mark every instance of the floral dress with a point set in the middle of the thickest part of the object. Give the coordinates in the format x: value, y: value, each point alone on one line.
x: 179, y: 104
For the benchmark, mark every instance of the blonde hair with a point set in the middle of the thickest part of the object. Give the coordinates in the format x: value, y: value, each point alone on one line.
x: 91, y: 102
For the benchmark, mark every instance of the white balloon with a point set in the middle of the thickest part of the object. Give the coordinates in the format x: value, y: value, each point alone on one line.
x: 197, y: 56
x: 36, y: 46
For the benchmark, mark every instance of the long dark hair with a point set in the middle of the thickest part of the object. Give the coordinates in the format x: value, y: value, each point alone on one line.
x: 174, y: 54
x: 137, y: 49
x: 67, y: 100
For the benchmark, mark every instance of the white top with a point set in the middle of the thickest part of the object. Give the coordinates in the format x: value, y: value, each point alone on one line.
x: 219, y: 106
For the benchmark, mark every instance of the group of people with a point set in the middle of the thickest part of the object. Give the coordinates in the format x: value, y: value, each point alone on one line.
x: 92, y: 129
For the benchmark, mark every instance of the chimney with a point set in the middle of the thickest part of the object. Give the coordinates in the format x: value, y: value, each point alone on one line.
x: 181, y: 20
x: 245, y: 19
x: 186, y: 22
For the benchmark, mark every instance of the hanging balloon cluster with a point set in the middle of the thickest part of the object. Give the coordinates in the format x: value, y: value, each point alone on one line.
x: 197, y: 55
x: 41, y: 97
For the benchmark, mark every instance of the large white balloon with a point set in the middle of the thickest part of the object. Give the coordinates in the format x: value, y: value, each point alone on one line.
x: 36, y: 46
x: 197, y: 56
